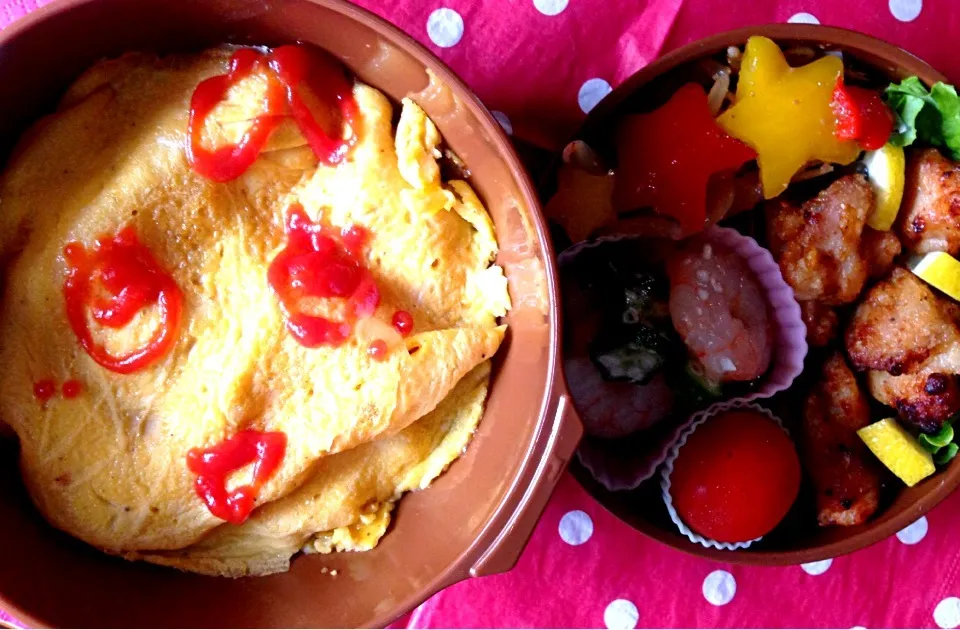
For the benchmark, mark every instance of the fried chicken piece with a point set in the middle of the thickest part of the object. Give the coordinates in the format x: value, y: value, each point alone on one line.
x: 899, y: 325
x: 818, y: 245
x: 821, y: 321
x: 843, y: 472
x: 929, y: 219
x: 879, y: 249
x: 925, y: 399
x: 827, y: 253
x: 910, y: 340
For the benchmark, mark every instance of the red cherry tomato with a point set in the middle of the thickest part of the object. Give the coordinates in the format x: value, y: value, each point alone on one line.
x: 736, y: 477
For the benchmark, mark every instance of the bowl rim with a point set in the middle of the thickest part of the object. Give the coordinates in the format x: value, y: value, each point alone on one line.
x: 599, y: 117
x: 505, y: 533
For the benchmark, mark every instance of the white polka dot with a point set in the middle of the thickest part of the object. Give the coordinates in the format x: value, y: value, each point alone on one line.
x: 719, y: 588
x: 576, y: 527
x: 592, y: 92
x: 913, y: 533
x: 504, y: 122
x: 621, y: 614
x: 947, y: 613
x: 445, y: 27
x: 817, y: 568
x: 858, y: 628
x: 906, y: 10
x: 550, y: 7
x: 803, y: 18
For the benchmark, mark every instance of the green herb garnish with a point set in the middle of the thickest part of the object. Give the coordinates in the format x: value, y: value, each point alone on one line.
x: 938, y: 440
x: 940, y: 444
x: 946, y: 454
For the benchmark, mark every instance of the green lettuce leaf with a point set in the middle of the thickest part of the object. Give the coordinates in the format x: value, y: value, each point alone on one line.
x: 907, y: 100
x: 930, y: 116
x: 948, y: 103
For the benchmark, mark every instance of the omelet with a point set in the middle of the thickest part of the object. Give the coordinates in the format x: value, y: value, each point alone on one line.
x: 346, y: 504
x: 109, y: 466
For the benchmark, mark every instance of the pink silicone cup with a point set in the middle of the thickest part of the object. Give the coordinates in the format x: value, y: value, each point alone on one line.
x: 626, y: 463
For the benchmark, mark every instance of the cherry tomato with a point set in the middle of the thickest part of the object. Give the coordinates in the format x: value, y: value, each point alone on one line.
x: 736, y: 477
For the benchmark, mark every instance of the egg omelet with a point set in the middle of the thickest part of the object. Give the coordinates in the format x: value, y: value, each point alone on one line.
x: 109, y: 466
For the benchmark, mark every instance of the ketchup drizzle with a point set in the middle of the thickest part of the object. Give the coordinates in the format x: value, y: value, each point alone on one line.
x: 44, y: 390
x: 230, y: 161
x: 319, y: 262
x: 72, y: 388
x: 112, y: 283
x: 305, y: 72
x: 213, y: 465
x: 402, y: 322
x: 301, y: 81
x: 377, y: 349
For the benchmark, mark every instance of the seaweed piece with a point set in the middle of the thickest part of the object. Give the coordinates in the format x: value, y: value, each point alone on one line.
x: 644, y: 300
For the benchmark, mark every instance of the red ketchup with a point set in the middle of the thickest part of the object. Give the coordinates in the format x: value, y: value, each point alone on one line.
x: 321, y: 262
x: 377, y: 349
x: 71, y: 388
x: 301, y: 82
x: 112, y: 283
x: 265, y: 450
x: 44, y: 390
x: 403, y: 322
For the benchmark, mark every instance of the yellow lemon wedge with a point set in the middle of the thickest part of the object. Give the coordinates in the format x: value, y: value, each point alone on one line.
x: 886, y: 169
x: 898, y: 451
x: 938, y: 269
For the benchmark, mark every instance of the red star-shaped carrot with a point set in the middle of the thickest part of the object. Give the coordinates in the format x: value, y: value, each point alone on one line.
x: 667, y: 156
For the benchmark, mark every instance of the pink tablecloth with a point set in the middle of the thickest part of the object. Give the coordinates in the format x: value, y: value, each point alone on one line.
x: 539, y: 64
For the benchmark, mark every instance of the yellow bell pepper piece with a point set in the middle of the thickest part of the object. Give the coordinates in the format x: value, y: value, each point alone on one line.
x: 938, y: 269
x: 898, y: 451
x: 784, y: 114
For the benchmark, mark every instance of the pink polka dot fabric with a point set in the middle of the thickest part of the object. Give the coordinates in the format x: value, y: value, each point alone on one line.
x: 540, y: 64
x: 583, y: 568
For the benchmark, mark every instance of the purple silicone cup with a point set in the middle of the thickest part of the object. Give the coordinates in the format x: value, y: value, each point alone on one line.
x: 673, y: 451
x: 625, y: 463
x: 790, y: 333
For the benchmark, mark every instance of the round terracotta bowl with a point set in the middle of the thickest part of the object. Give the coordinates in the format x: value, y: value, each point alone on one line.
x: 477, y: 517
x: 798, y: 539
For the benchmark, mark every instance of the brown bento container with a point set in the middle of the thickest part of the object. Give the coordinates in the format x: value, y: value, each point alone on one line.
x: 477, y: 517
x: 795, y: 542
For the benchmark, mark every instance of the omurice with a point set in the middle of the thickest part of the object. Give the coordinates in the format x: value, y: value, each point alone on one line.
x: 243, y: 312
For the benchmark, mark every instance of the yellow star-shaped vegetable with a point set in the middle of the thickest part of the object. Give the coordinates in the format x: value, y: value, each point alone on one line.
x: 784, y: 113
